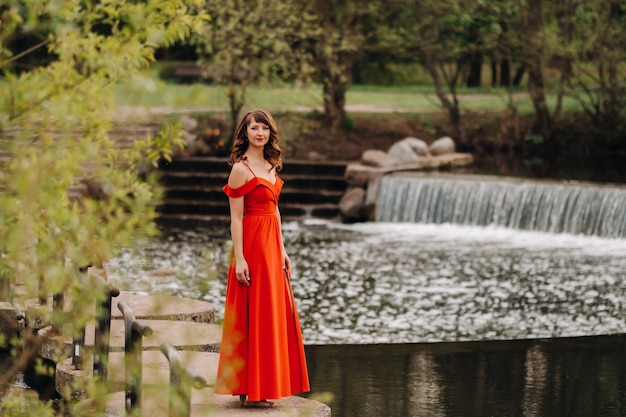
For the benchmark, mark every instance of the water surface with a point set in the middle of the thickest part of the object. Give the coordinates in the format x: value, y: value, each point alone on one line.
x: 376, y: 283
x: 578, y: 377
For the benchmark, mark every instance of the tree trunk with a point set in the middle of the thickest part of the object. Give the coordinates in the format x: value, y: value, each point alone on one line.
x: 519, y: 75
x: 475, y: 71
x: 542, y: 123
x: 533, y: 56
x: 334, y: 91
x: 505, y: 72
x: 236, y: 102
x: 436, y: 70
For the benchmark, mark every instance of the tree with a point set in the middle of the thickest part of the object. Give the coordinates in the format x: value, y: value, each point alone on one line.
x: 70, y: 196
x: 244, y: 43
x: 333, y: 37
x: 598, y: 36
x: 440, y: 40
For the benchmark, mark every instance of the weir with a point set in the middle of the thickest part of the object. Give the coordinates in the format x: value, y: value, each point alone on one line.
x: 554, y: 207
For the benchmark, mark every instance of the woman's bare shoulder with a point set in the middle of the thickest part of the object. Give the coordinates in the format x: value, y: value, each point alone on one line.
x: 239, y: 175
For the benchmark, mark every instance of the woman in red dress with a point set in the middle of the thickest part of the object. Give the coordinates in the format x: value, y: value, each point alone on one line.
x: 262, y: 353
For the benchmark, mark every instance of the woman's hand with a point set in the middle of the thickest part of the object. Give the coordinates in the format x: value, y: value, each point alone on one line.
x: 242, y: 272
x: 287, y: 265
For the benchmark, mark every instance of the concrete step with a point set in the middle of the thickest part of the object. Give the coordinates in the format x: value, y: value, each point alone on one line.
x: 155, y: 402
x: 197, y: 345
x: 291, y: 167
x: 182, y: 335
x: 193, y: 189
x: 174, y: 317
x: 180, y: 207
x: 163, y: 307
x: 312, y: 194
x: 155, y: 370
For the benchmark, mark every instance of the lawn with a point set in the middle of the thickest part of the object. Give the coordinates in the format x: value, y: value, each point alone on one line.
x: 149, y: 91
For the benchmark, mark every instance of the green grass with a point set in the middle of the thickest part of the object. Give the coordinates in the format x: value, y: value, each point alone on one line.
x: 149, y: 91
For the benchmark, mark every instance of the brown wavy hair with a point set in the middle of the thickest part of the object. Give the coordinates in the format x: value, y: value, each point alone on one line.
x: 271, y: 151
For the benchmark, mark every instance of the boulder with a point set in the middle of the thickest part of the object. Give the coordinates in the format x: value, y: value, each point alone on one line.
x: 442, y: 146
x: 376, y: 158
x: 408, y: 150
x: 418, y: 146
x: 358, y: 175
x: 189, y: 123
x: 352, y: 205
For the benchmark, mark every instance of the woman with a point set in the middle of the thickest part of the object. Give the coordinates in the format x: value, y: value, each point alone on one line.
x: 262, y: 354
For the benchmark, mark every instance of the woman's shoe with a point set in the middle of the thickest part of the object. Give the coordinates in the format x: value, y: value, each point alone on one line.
x: 261, y: 404
x: 243, y: 401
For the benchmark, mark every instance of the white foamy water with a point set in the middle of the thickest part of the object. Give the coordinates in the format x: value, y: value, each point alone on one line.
x: 405, y: 282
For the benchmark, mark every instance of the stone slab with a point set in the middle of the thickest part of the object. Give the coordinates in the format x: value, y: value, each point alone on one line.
x: 204, y: 402
x: 182, y: 335
x: 146, y: 307
x: 163, y: 307
x: 155, y: 370
x: 154, y: 306
x: 359, y: 175
x: 155, y: 402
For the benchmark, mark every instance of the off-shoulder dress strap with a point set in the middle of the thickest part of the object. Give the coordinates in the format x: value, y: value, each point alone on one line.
x: 245, y: 162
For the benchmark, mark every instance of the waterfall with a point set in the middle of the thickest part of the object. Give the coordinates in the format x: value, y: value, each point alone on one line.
x: 513, y: 203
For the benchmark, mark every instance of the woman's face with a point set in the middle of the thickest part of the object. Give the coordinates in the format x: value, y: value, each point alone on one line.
x: 258, y: 133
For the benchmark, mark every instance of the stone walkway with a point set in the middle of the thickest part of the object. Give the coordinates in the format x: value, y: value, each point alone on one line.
x: 187, y: 325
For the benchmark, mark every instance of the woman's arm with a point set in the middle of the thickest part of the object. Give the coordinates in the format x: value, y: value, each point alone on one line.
x: 238, y: 176
x: 286, y: 261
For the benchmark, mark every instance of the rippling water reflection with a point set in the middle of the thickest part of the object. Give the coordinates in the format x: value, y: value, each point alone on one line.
x: 411, y: 283
x: 578, y: 377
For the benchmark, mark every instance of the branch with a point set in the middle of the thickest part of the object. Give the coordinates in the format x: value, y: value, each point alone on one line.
x: 26, y: 52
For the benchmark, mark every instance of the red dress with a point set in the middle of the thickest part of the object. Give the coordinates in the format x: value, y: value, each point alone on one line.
x: 262, y: 353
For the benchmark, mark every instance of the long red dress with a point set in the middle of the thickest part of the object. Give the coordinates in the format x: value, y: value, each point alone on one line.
x: 262, y: 353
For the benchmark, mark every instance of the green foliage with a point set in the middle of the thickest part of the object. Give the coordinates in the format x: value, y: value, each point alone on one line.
x: 534, y: 139
x: 245, y: 44
x: 349, y: 124
x: 72, y: 195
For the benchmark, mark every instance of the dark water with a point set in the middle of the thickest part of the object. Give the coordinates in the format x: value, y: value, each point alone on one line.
x: 600, y: 169
x: 548, y: 377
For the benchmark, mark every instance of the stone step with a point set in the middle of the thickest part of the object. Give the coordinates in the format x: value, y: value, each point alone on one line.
x: 171, y: 209
x: 163, y: 307
x: 174, y: 318
x: 190, y: 338
x: 204, y: 402
x: 155, y: 370
x: 220, y: 165
x: 193, y: 189
x: 312, y: 194
x: 182, y: 335
x: 216, y: 196
x: 155, y: 389
x: 210, y: 181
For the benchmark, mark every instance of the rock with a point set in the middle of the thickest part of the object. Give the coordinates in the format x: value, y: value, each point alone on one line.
x: 352, y: 204
x: 189, y: 123
x: 418, y: 146
x: 442, y: 146
x: 357, y: 175
x: 376, y: 158
x: 315, y: 156
x: 408, y: 150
